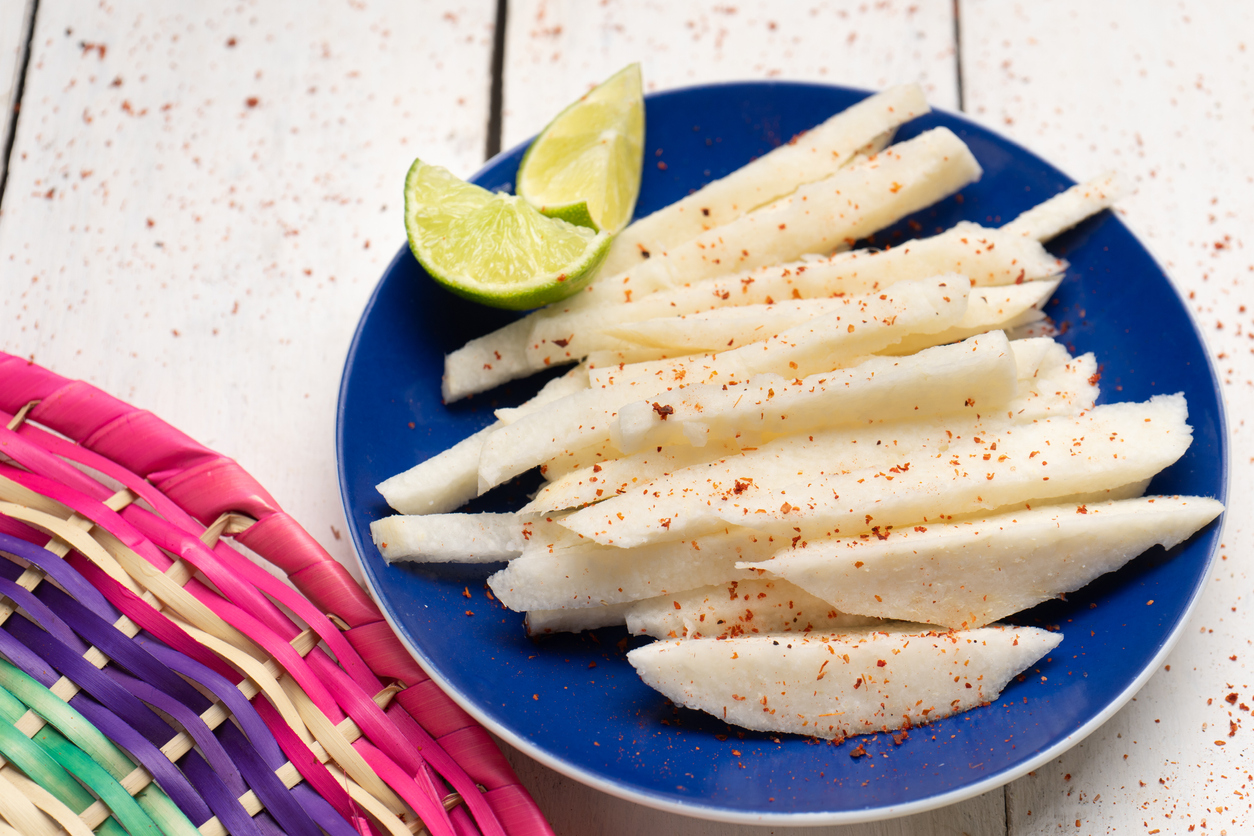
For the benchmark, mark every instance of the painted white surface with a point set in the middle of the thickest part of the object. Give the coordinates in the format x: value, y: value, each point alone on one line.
x: 14, y: 22
x: 1165, y: 93
x: 230, y: 314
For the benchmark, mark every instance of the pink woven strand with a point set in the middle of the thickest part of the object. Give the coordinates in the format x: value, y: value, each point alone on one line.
x: 424, y: 800
x: 196, y: 492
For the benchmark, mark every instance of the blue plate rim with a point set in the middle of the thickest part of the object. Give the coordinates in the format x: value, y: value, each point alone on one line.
x: 799, y: 819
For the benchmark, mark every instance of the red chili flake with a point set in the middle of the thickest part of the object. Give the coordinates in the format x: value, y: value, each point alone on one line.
x: 663, y: 409
x: 661, y: 165
x: 1082, y: 509
x: 666, y: 523
x: 857, y: 684
x: 859, y: 752
x: 252, y: 101
x: 970, y: 402
x: 879, y: 663
x: 563, y: 342
x: 742, y: 485
x: 857, y: 565
x: 1231, y: 699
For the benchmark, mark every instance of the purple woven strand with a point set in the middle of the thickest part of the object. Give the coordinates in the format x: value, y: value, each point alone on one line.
x: 166, y: 773
x: 224, y: 804
x: 86, y: 676
x: 226, y: 693
x: 191, y: 722
x: 60, y: 571
x: 322, y: 811
x: 275, y: 797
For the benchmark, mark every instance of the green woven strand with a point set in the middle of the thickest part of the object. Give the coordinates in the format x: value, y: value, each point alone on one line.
x: 96, y: 761
x: 42, y: 768
x: 51, y: 740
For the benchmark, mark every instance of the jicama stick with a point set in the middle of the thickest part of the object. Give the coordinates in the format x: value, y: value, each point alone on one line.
x: 555, y: 333
x: 968, y: 574
x: 450, y: 479
x: 449, y: 538
x: 833, y: 686
x: 593, y: 575
x: 1049, y: 382
x: 1006, y: 464
x: 809, y: 156
x: 976, y: 374
x: 738, y: 608
x: 943, y: 378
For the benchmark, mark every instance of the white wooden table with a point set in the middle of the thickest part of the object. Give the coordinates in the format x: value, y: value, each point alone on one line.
x: 200, y: 196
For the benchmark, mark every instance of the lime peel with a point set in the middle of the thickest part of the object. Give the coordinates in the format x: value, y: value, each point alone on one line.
x: 585, y: 166
x: 494, y: 248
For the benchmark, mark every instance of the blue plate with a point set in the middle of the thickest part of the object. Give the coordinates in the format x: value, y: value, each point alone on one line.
x: 574, y: 703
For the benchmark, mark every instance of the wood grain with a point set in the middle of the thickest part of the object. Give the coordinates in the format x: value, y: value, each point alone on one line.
x: 1165, y: 95
x: 556, y: 50
x: 203, y: 195
x: 14, y: 24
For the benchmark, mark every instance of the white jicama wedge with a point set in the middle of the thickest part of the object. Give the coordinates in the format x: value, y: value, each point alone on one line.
x: 807, y: 336
x: 1049, y: 382
x: 988, y: 309
x: 569, y: 331
x: 450, y: 479
x: 971, y: 573
x: 1006, y: 464
x: 449, y: 538
x: 1063, y: 211
x: 809, y: 156
x: 835, y: 686
x: 576, y: 619
x: 942, y: 380
x: 593, y: 576
x: 738, y: 608
x: 564, y: 332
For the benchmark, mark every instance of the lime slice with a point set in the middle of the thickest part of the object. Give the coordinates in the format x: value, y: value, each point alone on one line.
x: 585, y: 166
x: 495, y: 248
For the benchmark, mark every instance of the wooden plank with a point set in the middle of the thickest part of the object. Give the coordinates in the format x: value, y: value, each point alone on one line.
x: 14, y: 24
x: 556, y: 50
x: 1164, y: 94
x: 203, y: 195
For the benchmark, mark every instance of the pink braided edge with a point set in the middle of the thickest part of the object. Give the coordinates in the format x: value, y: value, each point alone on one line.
x: 205, y: 485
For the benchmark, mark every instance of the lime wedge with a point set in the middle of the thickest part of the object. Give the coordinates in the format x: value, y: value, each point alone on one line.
x: 495, y: 248
x: 585, y: 166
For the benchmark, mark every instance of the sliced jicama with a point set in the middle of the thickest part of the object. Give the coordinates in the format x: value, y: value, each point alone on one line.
x: 450, y: 479
x: 978, y: 373
x: 562, y: 332
x: 834, y: 686
x: 941, y: 380
x: 810, y: 156
x: 592, y: 575
x: 738, y: 608
x: 1049, y: 382
x: 988, y: 309
x: 1007, y: 463
x: 449, y: 538
x: 576, y: 619
x: 819, y: 334
x: 971, y: 573
x: 1063, y: 211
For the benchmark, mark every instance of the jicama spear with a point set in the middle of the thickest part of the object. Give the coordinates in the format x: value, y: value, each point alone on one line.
x: 1006, y: 464
x: 721, y: 329
x: 942, y: 379
x: 738, y: 608
x: 971, y: 573
x: 985, y: 256
x: 570, y: 331
x: 810, y: 156
x: 450, y: 479
x: 977, y: 373
x: 834, y: 686
x: 1049, y: 382
x: 449, y: 538
x: 592, y: 575
x: 823, y: 216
